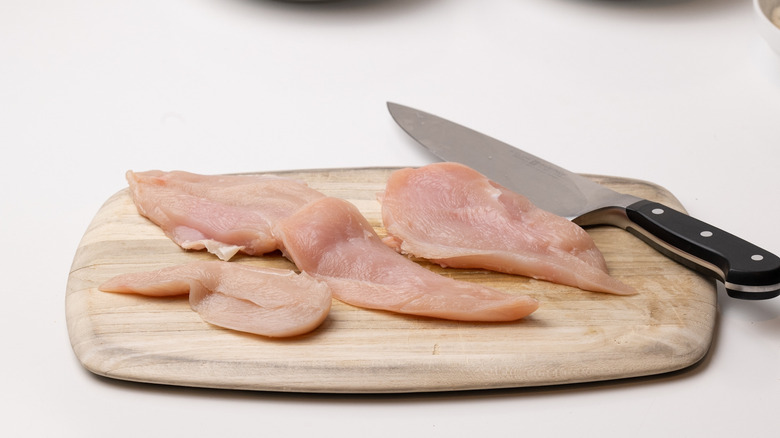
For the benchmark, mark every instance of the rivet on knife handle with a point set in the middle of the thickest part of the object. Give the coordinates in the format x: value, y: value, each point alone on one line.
x: 747, y: 271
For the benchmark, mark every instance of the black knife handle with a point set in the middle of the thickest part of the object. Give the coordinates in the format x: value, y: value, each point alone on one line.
x: 747, y: 271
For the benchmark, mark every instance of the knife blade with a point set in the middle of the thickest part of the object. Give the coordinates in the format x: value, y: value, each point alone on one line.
x: 746, y: 270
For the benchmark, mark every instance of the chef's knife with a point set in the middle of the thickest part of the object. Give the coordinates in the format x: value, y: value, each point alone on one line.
x: 747, y: 271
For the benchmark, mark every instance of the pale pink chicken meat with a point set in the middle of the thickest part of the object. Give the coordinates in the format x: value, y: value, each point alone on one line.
x: 332, y: 241
x: 224, y: 214
x: 454, y: 216
x: 264, y: 301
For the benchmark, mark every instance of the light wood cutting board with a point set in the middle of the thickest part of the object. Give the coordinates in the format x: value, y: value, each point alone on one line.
x: 575, y: 336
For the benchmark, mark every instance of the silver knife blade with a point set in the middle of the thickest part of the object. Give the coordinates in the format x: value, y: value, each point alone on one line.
x: 747, y: 271
x: 548, y: 186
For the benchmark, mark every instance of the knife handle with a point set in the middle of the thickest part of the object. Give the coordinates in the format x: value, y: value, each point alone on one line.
x: 747, y: 271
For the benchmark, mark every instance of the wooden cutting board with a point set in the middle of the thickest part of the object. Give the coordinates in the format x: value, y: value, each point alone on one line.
x: 575, y: 336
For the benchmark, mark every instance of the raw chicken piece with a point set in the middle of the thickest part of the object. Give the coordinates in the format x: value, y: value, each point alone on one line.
x: 455, y: 216
x: 264, y: 301
x: 223, y: 213
x: 332, y: 241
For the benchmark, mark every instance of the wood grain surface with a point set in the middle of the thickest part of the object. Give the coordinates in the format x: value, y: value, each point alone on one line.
x: 575, y: 336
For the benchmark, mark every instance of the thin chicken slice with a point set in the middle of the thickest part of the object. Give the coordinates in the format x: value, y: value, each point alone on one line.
x: 332, y: 241
x: 225, y: 214
x: 264, y: 301
x: 454, y: 216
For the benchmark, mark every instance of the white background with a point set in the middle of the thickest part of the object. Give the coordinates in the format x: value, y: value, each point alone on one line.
x: 681, y: 93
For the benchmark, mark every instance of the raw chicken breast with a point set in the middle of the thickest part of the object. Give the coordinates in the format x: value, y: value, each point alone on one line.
x: 332, y: 241
x: 455, y: 216
x: 223, y: 213
x: 264, y: 301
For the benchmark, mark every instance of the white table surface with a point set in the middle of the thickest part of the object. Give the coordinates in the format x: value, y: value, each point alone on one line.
x: 682, y: 93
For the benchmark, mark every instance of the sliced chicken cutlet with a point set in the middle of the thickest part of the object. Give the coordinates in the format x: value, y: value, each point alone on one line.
x: 454, y: 216
x: 224, y: 214
x: 264, y: 301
